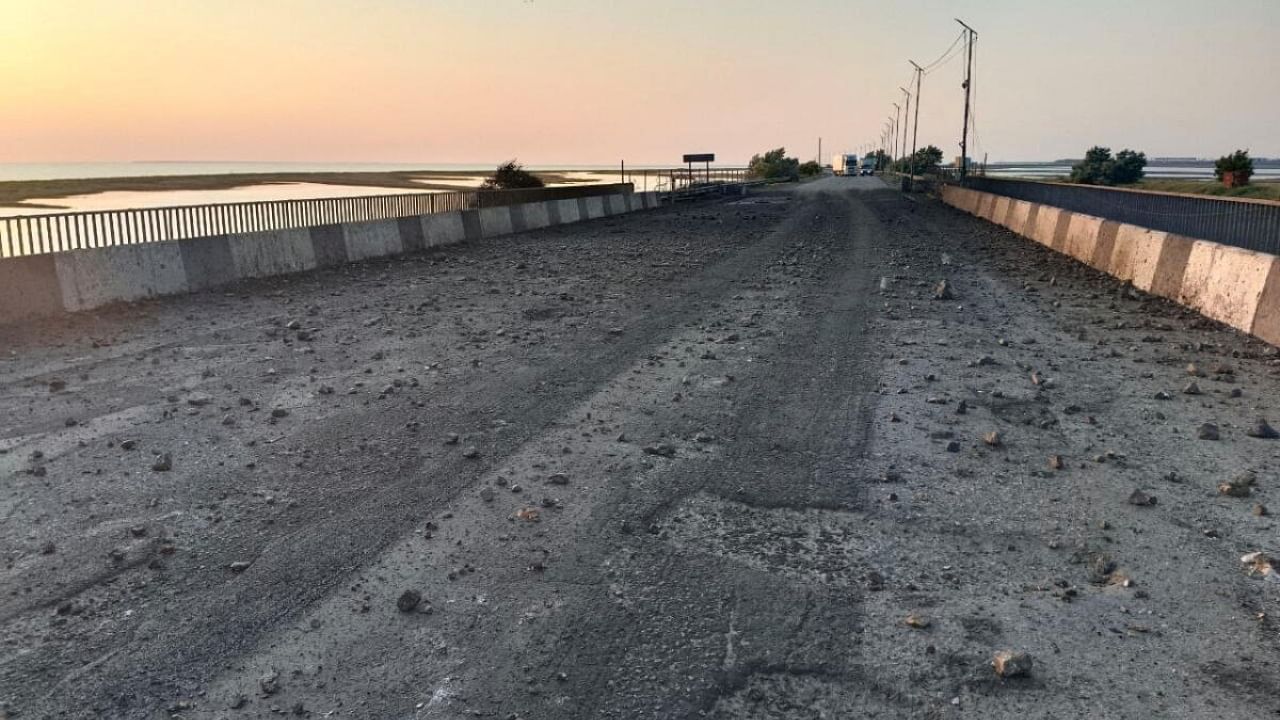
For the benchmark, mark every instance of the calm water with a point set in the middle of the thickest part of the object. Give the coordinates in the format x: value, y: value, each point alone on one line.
x: 68, y: 171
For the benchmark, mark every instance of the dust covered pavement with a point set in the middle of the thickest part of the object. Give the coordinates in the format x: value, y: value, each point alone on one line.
x: 736, y: 460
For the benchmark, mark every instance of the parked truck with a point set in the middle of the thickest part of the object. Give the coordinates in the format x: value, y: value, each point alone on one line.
x: 844, y: 164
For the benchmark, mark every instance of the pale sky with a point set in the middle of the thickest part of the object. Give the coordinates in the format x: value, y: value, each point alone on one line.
x: 596, y: 81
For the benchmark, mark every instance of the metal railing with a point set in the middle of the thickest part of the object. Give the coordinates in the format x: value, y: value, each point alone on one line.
x: 1243, y: 223
x: 61, y: 232
x: 684, y: 180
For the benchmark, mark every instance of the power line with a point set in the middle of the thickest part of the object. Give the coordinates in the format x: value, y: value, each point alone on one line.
x: 943, y: 57
x: 943, y: 61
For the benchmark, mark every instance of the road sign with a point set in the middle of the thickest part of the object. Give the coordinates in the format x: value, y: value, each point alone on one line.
x: 701, y: 157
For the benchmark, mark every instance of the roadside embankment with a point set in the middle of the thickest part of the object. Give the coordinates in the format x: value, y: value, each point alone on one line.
x: 1238, y: 287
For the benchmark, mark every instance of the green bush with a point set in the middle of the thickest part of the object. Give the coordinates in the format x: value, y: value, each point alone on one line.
x: 810, y: 169
x: 774, y: 165
x: 925, y: 161
x: 510, y: 176
x: 1100, y: 168
x: 1238, y: 161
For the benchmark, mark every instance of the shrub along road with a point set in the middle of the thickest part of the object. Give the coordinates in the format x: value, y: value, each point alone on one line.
x: 732, y: 460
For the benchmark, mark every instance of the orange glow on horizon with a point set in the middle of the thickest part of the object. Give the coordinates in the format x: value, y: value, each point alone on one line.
x: 580, y: 81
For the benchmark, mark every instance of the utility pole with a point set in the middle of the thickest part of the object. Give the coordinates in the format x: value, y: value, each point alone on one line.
x: 906, y: 120
x: 915, y: 130
x: 897, y: 114
x: 819, y: 149
x: 970, y: 36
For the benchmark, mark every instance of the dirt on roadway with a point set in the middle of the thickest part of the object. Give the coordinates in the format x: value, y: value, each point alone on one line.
x: 732, y: 460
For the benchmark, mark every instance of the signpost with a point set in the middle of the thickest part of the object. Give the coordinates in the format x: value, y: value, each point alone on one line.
x: 706, y: 158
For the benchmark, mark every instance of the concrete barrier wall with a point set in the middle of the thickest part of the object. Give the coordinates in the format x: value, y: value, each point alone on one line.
x: 569, y: 212
x: 276, y: 252
x: 378, y: 238
x: 29, y: 287
x: 84, y: 279
x: 89, y: 278
x: 1240, y: 288
x: 1225, y: 283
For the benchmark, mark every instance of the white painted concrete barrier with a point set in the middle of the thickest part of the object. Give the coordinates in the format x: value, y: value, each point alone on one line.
x: 85, y: 279
x: 1240, y: 288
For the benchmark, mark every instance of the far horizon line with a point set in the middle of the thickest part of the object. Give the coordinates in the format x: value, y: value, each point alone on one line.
x: 425, y: 165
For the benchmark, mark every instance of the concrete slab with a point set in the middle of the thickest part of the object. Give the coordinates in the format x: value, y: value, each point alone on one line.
x: 28, y: 288
x: 471, y: 225
x: 536, y: 215
x: 1059, y: 240
x: 443, y: 228
x: 412, y: 236
x: 495, y: 221
x: 1016, y: 220
x: 1226, y: 283
x: 569, y: 210
x: 595, y: 207
x: 616, y: 204
x: 518, y: 222
x: 972, y: 200
x: 988, y: 208
x: 1103, y: 249
x: 1082, y: 236
x: 951, y: 195
x: 1033, y: 217
x: 329, y: 245
x: 275, y: 252
x: 1000, y: 210
x: 1166, y: 280
x: 93, y: 278
x: 1266, y: 321
x: 1136, y: 254
x: 374, y: 239
x: 981, y: 206
x: 553, y: 212
x: 207, y: 262
x: 1046, y: 224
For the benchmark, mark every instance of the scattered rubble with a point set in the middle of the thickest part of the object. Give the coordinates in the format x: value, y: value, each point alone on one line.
x: 1012, y: 663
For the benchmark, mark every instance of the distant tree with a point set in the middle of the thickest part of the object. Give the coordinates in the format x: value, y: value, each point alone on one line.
x: 774, y: 165
x: 810, y: 169
x: 509, y: 176
x: 1089, y: 171
x: 1128, y: 168
x: 925, y: 161
x: 1099, y: 168
x: 882, y: 159
x: 1238, y: 162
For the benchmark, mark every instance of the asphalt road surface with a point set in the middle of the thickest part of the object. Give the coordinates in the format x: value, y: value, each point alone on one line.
x: 729, y: 460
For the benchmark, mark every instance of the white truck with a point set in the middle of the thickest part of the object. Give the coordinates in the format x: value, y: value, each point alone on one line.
x: 844, y: 164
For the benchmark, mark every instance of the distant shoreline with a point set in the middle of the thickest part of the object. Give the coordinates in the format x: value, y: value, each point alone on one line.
x: 20, y: 193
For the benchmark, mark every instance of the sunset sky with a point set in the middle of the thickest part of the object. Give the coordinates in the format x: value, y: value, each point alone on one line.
x: 595, y: 81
